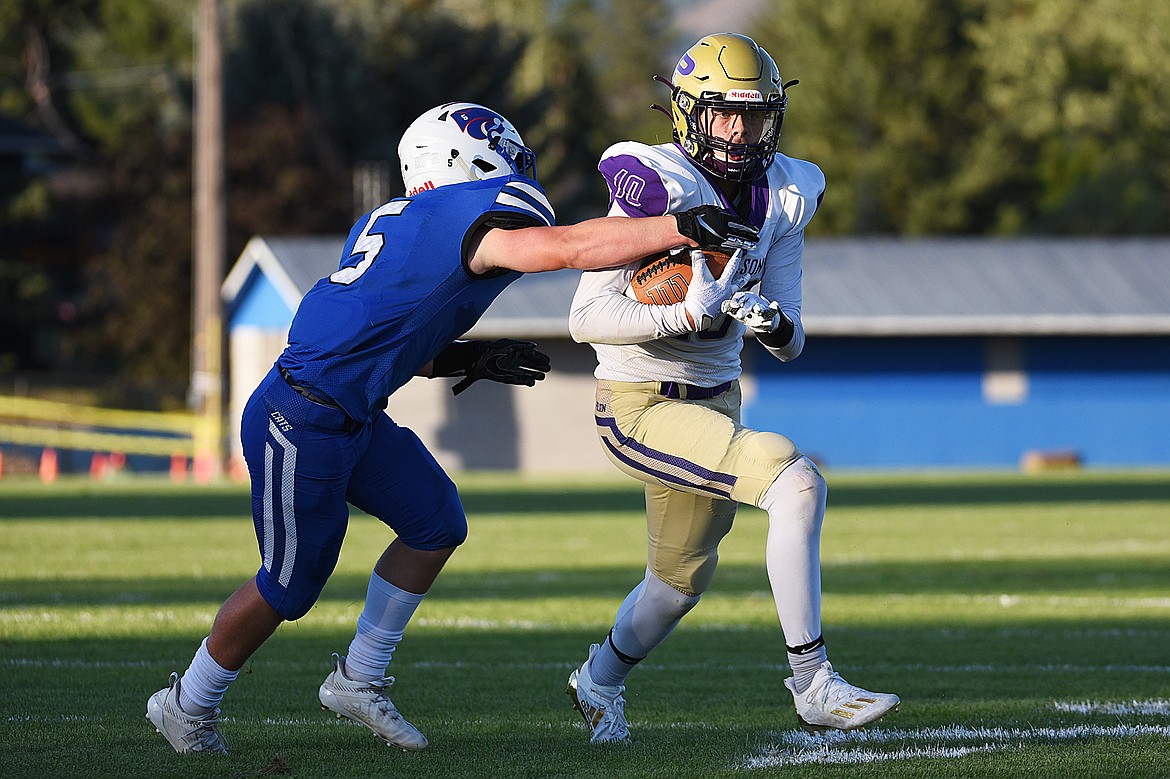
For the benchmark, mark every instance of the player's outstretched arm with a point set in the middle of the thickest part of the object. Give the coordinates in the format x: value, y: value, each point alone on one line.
x: 604, y: 242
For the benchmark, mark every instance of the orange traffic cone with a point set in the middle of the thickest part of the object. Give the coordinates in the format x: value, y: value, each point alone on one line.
x: 99, y: 465
x: 48, y: 469
x: 178, y: 467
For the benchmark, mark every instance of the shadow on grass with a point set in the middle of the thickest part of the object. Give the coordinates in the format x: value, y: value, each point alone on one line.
x: 493, y: 703
x: 155, y: 501
x: 1019, y: 577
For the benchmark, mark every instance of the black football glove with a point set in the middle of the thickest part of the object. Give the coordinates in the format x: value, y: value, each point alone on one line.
x: 504, y: 360
x: 711, y: 226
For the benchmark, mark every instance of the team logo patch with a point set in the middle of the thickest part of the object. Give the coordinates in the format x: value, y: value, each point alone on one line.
x: 479, y: 122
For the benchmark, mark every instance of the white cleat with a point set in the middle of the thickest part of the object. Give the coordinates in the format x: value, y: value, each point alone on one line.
x: 602, y: 707
x: 185, y: 732
x: 831, y: 703
x: 366, y: 702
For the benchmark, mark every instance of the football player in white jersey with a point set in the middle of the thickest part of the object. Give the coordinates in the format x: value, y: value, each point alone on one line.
x: 668, y: 396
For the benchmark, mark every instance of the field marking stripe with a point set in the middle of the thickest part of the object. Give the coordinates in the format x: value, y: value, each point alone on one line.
x: 800, y: 748
x: 831, y: 756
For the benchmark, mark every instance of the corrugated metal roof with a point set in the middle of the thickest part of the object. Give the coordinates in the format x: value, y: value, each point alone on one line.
x: 867, y: 286
x: 980, y: 285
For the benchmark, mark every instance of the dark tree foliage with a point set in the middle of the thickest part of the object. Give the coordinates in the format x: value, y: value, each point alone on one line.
x: 309, y: 93
x: 964, y: 116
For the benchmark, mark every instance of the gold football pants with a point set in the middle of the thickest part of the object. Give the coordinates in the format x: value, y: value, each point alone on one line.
x: 697, y: 462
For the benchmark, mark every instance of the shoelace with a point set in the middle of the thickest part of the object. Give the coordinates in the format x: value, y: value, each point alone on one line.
x: 842, y: 690
x: 204, y: 730
x: 616, y: 714
x: 380, y: 686
x: 614, y: 706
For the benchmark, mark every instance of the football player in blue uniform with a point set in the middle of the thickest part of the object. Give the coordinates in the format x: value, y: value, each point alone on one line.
x: 415, y: 274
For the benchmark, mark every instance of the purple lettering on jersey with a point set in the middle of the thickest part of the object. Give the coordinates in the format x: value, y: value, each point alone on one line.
x: 634, y: 186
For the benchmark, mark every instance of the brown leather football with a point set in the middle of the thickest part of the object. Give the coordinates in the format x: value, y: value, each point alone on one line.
x: 662, y: 279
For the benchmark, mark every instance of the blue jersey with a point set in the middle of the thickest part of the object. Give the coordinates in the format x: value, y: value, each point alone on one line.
x: 402, y: 292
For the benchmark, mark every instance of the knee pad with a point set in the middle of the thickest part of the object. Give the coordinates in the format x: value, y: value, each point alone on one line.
x: 443, y: 527
x: 775, y: 446
x: 447, y: 530
x: 291, y: 602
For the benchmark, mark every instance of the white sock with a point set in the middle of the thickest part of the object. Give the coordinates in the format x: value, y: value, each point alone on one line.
x: 204, y: 682
x: 644, y: 620
x: 796, y: 509
x: 379, y: 629
x: 806, y: 661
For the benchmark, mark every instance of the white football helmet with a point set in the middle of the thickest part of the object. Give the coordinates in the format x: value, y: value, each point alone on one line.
x: 460, y: 142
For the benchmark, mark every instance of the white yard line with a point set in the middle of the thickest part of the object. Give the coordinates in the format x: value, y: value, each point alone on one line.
x: 874, y: 746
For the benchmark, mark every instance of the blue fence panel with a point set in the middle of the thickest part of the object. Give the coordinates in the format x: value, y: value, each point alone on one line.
x: 918, y: 402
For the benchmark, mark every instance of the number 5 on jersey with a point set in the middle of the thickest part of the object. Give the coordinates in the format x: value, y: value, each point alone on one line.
x: 368, y: 244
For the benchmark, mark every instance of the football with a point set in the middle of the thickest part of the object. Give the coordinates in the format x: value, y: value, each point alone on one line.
x: 662, y: 279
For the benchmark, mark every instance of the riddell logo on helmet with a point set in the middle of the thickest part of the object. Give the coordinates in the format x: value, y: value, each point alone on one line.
x: 744, y: 94
x: 423, y: 187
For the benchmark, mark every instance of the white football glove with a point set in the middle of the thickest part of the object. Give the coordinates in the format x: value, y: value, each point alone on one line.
x: 757, y: 313
x: 705, y: 293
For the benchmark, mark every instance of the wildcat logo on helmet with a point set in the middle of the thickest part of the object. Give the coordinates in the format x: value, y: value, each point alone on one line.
x: 479, y: 122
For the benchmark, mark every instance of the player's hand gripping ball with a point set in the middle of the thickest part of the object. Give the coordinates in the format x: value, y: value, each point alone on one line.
x: 662, y: 279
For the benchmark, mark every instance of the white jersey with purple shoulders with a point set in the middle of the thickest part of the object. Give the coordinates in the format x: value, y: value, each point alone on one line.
x: 639, y: 342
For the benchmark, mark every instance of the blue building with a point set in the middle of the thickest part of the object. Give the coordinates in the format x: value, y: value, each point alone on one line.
x: 921, y: 353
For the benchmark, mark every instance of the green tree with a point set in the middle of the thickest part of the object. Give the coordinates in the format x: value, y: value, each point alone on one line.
x: 981, y: 116
x: 885, y: 101
x: 1077, y: 103
x: 607, y: 53
x: 312, y: 87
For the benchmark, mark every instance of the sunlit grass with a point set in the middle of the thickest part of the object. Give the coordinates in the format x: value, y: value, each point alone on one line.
x: 987, y: 601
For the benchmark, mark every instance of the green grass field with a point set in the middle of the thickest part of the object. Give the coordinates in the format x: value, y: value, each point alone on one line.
x: 1024, y: 620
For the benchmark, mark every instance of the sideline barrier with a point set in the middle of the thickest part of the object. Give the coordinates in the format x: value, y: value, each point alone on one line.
x: 48, y: 424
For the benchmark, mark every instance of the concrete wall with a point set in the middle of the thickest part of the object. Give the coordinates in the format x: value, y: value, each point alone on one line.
x: 490, y: 426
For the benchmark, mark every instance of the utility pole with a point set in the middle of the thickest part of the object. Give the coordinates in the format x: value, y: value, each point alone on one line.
x: 209, y: 250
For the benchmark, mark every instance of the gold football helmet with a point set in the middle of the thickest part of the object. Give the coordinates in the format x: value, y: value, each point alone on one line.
x: 725, y: 75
